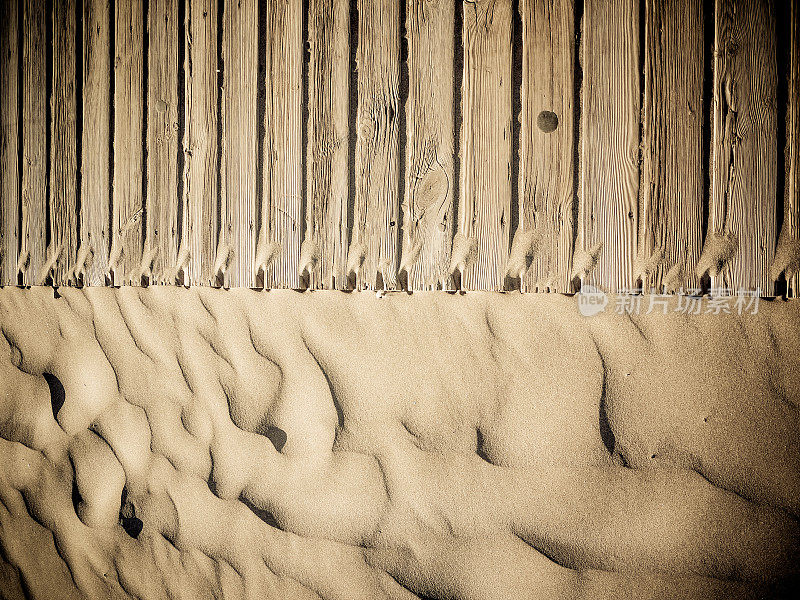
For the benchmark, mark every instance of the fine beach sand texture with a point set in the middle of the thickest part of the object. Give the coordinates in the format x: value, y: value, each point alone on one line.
x: 172, y: 443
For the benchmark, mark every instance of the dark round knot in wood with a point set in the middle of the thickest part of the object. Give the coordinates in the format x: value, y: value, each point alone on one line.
x: 547, y: 121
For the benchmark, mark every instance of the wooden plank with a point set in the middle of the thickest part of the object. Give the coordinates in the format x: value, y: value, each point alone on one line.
x: 240, y: 132
x: 480, y: 247
x: 609, y: 153
x: 323, y: 253
x: 63, y: 147
x: 9, y: 142
x: 787, y: 255
x: 671, y: 180
x: 92, y: 262
x: 161, y: 239
x: 34, y: 141
x: 742, y: 222
x: 200, y: 141
x: 429, y: 199
x: 547, y: 147
x: 127, y: 204
x: 282, y: 202
x: 373, y: 254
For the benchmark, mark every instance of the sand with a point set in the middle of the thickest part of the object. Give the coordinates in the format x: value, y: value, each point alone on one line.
x: 174, y: 443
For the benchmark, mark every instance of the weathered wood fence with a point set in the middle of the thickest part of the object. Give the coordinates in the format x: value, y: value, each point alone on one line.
x: 417, y: 144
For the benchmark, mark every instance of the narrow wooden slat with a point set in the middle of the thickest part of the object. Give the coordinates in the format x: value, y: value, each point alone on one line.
x: 742, y: 222
x: 200, y: 141
x: 9, y: 142
x: 95, y: 179
x: 792, y: 206
x: 372, y: 257
x: 323, y: 253
x: 547, y: 146
x: 282, y: 202
x: 34, y: 141
x: 128, y: 205
x: 63, y: 148
x: 671, y: 180
x: 240, y: 58
x: 161, y: 241
x: 429, y: 198
x: 480, y: 247
x: 787, y: 255
x: 609, y: 135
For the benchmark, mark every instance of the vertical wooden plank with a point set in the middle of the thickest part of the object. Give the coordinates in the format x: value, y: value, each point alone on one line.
x: 480, y: 247
x: 128, y: 205
x: 547, y: 147
x: 282, y: 202
x: 742, y: 222
x: 9, y: 142
x: 322, y: 255
x: 428, y: 203
x: 240, y: 58
x: 609, y: 153
x: 92, y: 263
x: 34, y: 141
x: 787, y: 255
x: 63, y: 148
x: 161, y: 241
x: 671, y: 180
x: 372, y: 257
x: 200, y: 141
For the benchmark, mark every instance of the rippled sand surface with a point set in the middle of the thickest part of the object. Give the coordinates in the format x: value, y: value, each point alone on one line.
x: 173, y: 443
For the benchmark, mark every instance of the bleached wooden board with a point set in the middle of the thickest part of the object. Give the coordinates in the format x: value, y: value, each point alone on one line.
x: 374, y: 249
x: 481, y: 244
x: 63, y: 161
x: 9, y: 142
x: 324, y: 248
x: 161, y: 205
x: 609, y: 138
x: 128, y: 185
x: 34, y: 141
x: 429, y: 185
x: 94, y: 244
x: 671, y: 181
x: 742, y: 222
x: 282, y: 202
x: 787, y: 255
x: 200, y: 147
x: 323, y: 252
x: 544, y: 235
x: 240, y: 133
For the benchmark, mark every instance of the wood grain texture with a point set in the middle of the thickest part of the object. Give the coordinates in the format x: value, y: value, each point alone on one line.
x: 95, y: 241
x: 323, y: 253
x: 161, y: 240
x: 787, y: 255
x: 547, y: 146
x: 742, y: 223
x: 240, y: 133
x: 200, y: 139
x: 374, y: 248
x: 9, y: 142
x: 429, y: 199
x: 127, y: 204
x: 63, y: 148
x: 671, y: 180
x: 282, y: 201
x: 481, y: 245
x: 34, y: 141
x: 609, y: 153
